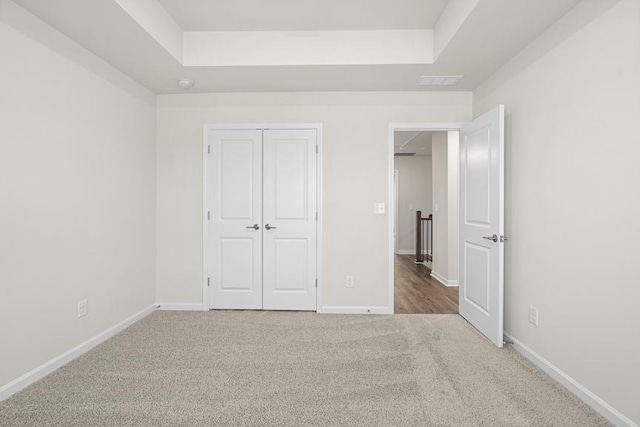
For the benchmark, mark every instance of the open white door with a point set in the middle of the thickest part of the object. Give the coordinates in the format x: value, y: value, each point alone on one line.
x: 481, y: 224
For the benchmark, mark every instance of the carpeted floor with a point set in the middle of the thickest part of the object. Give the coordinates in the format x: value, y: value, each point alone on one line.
x: 296, y: 369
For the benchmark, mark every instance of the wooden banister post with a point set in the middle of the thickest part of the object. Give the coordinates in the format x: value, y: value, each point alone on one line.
x: 419, y: 255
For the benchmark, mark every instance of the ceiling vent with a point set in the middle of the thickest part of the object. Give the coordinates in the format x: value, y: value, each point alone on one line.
x: 404, y: 154
x: 439, y: 80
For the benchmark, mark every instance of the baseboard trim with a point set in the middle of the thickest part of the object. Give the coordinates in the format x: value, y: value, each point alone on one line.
x: 340, y: 309
x: 584, y: 394
x: 410, y: 252
x: 46, y: 368
x: 443, y: 280
x: 179, y: 306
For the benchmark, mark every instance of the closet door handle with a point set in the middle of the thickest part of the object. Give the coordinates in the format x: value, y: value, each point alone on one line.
x: 269, y: 227
x: 254, y: 226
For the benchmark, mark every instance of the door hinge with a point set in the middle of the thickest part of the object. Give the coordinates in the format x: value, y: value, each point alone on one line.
x: 208, y: 281
x: 316, y: 216
x: 208, y: 149
x: 317, y: 149
x: 208, y: 215
x: 316, y: 283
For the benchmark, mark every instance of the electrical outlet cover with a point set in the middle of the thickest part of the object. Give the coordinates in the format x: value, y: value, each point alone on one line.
x: 82, y: 308
x: 533, y: 315
x: 349, y: 281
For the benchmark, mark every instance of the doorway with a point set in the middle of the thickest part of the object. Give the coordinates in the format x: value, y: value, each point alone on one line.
x: 479, y: 226
x: 262, y: 217
x: 425, y: 209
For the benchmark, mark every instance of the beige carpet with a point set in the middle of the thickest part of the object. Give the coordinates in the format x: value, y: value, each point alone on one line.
x: 296, y: 369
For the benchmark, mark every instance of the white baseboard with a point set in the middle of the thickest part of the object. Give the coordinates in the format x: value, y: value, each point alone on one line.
x: 48, y: 367
x: 443, y: 280
x: 606, y: 410
x: 410, y: 252
x: 340, y: 309
x: 179, y: 306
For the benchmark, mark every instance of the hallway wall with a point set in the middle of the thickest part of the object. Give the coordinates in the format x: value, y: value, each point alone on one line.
x: 445, y: 207
x: 414, y: 193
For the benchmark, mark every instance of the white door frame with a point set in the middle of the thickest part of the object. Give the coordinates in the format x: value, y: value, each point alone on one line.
x: 393, y: 127
x: 396, y: 225
x: 262, y: 126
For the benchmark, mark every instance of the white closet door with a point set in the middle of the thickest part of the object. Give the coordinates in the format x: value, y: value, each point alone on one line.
x: 289, y: 211
x: 235, y: 225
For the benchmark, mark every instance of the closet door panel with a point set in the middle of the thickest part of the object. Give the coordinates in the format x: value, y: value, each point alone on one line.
x: 289, y: 217
x: 234, y: 186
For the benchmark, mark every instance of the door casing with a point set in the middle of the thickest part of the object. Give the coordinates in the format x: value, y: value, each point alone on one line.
x: 205, y: 223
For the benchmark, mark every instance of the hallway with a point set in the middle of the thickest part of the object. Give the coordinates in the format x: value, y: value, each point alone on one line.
x: 417, y: 292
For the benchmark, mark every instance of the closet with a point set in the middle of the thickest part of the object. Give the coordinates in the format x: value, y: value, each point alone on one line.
x: 261, y: 226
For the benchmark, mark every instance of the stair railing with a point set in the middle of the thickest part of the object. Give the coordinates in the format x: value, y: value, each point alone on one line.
x: 424, y: 225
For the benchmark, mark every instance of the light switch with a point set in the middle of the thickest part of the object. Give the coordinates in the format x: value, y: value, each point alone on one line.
x: 378, y: 208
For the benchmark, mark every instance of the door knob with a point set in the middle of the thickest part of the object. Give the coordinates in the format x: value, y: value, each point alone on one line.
x: 493, y: 238
x: 254, y: 226
x: 269, y: 227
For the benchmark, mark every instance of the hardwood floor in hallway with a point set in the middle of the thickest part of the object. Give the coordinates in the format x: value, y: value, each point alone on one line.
x: 417, y: 292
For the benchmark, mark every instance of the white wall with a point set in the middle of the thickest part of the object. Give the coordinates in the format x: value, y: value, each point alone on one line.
x: 414, y: 193
x: 77, y: 195
x: 440, y: 204
x: 572, y: 100
x: 356, y: 165
x: 445, y: 196
x: 452, y: 205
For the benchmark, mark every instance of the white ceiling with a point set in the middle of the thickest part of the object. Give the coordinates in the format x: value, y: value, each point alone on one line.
x: 491, y: 33
x: 303, y: 15
x: 413, y: 142
x: 402, y: 138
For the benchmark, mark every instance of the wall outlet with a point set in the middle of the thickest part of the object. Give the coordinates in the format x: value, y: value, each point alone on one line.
x: 82, y: 308
x: 533, y: 315
x: 349, y: 281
